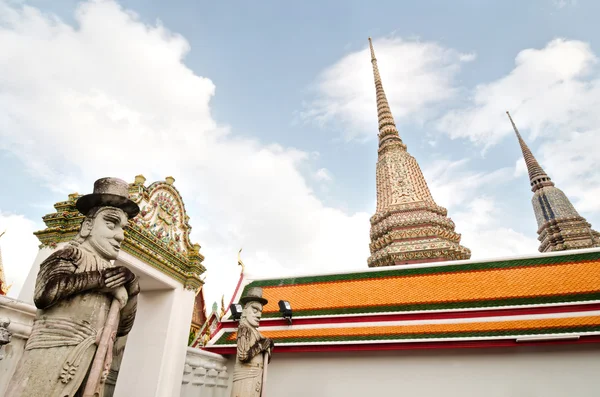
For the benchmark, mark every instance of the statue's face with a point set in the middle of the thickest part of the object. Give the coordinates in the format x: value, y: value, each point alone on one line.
x: 106, y: 232
x: 253, y: 312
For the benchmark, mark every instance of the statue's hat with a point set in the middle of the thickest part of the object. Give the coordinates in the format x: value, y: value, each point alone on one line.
x: 254, y: 294
x: 108, y: 192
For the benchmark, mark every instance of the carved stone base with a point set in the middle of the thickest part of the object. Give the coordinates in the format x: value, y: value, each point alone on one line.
x: 5, y: 334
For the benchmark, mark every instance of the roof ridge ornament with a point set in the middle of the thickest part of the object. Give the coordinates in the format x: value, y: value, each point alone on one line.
x: 240, y: 263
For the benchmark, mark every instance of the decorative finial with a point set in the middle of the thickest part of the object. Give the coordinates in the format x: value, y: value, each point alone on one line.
x: 170, y: 180
x: 2, y: 234
x: 240, y: 261
x: 222, y: 307
x: 139, y: 179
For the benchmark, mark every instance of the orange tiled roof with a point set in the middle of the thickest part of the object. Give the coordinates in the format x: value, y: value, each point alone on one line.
x: 548, y: 279
x: 564, y: 288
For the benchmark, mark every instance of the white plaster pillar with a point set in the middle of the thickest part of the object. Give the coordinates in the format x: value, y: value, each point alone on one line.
x: 154, y: 358
x: 26, y: 293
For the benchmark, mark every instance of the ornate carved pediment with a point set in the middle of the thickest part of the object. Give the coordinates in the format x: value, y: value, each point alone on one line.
x: 159, y: 235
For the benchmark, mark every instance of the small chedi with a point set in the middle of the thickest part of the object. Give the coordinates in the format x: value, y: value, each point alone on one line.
x: 253, y: 350
x: 84, y: 302
x: 560, y: 227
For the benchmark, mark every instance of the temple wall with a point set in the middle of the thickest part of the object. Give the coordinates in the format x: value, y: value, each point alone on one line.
x: 26, y: 293
x: 548, y: 371
x: 21, y: 317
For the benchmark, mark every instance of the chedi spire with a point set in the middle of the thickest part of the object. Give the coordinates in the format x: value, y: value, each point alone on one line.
x: 387, y: 126
x: 560, y: 227
x: 408, y: 226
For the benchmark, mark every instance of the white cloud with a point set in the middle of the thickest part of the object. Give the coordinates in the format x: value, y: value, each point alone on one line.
x: 564, y: 3
x: 548, y: 91
x: 554, y: 95
x: 19, y: 247
x: 323, y: 175
x: 485, y: 235
x: 415, y: 76
x: 520, y: 167
x: 452, y: 182
x: 572, y: 161
x: 112, y: 96
x: 480, y: 218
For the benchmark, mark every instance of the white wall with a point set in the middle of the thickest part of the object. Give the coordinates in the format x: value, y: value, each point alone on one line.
x: 21, y: 317
x: 28, y: 289
x: 549, y: 371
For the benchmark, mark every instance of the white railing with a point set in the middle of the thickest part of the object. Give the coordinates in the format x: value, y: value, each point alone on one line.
x: 20, y: 315
x: 204, y: 375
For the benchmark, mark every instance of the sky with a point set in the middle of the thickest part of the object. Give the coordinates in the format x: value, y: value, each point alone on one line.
x: 265, y: 114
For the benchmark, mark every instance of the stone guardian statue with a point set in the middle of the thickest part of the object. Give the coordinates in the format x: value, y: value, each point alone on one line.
x: 74, y: 290
x: 253, y: 350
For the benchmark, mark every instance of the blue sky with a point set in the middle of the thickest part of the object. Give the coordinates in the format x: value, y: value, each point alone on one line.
x: 264, y: 113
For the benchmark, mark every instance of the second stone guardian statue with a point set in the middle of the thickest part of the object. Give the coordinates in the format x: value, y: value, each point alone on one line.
x: 74, y: 290
x: 253, y: 349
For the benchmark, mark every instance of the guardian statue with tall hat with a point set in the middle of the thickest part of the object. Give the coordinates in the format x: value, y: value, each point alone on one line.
x: 84, y: 302
x: 253, y: 349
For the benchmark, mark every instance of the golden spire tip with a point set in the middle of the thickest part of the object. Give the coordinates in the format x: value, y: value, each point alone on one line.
x: 240, y: 263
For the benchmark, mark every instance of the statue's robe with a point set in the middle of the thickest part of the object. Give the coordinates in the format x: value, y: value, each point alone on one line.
x: 71, y: 314
x: 249, y: 366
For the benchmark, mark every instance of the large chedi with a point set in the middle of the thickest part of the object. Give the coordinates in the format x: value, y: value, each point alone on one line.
x: 560, y: 227
x: 408, y: 226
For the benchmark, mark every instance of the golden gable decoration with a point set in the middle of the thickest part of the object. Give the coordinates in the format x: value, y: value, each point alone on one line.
x: 159, y: 235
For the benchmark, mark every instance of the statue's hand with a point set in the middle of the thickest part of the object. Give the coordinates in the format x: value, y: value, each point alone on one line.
x: 133, y: 287
x: 120, y: 294
x: 267, y: 346
x: 269, y: 352
x: 117, y: 276
x: 270, y: 343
